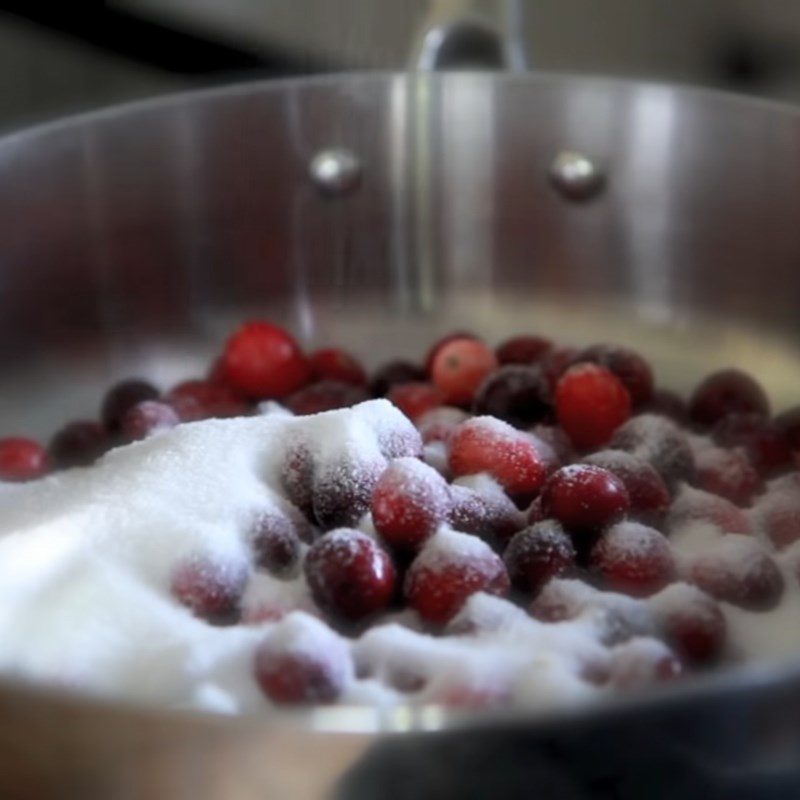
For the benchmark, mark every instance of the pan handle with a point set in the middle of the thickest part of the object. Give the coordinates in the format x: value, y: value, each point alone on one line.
x: 471, y: 34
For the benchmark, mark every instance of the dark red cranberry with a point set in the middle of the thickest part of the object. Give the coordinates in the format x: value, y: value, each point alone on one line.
x: 523, y: 349
x: 416, y: 399
x: 334, y: 364
x: 276, y: 543
x: 22, y: 460
x: 393, y: 374
x: 780, y: 519
x: 263, y: 362
x: 536, y: 554
x: 409, y: 503
x: 649, y: 496
x: 789, y: 423
x: 297, y: 477
x: 78, y: 444
x: 729, y: 391
x: 343, y: 492
x: 324, y: 396
x: 517, y: 394
x: 633, y: 559
x: 727, y: 473
x: 349, y: 575
x: 591, y: 403
x: 763, y: 440
x: 211, y: 589
x: 558, y: 441
x: 660, y: 442
x: 668, y: 404
x: 584, y: 497
x: 147, y: 418
x: 447, y: 571
x: 199, y: 399
x: 554, y: 363
x: 489, y: 514
x: 460, y: 367
x: 121, y: 398
x: 633, y: 370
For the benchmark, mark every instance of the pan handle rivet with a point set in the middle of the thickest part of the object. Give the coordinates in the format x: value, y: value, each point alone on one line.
x: 575, y: 176
x: 335, y: 171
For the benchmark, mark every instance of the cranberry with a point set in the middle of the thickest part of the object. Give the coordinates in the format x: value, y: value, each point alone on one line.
x: 349, y: 574
x: 78, y: 444
x: 554, y: 364
x: 780, y: 519
x: 727, y: 473
x: 517, y: 394
x: 562, y: 599
x: 668, y: 404
x: 333, y: 364
x: 535, y: 513
x: 640, y: 663
x: 409, y: 503
x: 691, y: 622
x: 789, y: 423
x: 483, y: 613
x: 147, y: 418
x: 343, y: 492
x: 634, y: 559
x: 276, y: 543
x: 763, y: 440
x: 449, y: 568
x: 661, y: 443
x: 121, y: 398
x: 297, y: 477
x: 434, y: 349
x: 460, y: 366
x: 740, y: 572
x: 695, y: 505
x: 558, y: 441
x: 439, y: 424
x: 263, y: 361
x: 536, y: 554
x: 416, y: 399
x: 633, y: 371
x: 211, y: 589
x: 484, y: 510
x: 324, y: 396
x: 726, y: 392
x: 584, y: 497
x: 22, y: 460
x: 523, y: 349
x: 485, y: 444
x: 198, y: 399
x: 649, y: 496
x: 591, y: 403
x: 393, y: 374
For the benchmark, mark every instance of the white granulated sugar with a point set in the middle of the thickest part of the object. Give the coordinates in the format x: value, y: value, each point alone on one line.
x: 435, y: 455
x: 269, y: 407
x: 447, y: 546
x: 486, y: 613
x: 632, y: 538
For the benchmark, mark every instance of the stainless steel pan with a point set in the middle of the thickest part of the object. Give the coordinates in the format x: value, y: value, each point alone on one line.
x: 378, y: 211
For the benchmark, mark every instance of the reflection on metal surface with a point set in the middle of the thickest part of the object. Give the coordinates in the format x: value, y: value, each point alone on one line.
x: 336, y: 171
x: 575, y: 176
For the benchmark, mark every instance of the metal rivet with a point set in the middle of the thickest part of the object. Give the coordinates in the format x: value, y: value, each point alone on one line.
x: 575, y: 176
x: 335, y: 171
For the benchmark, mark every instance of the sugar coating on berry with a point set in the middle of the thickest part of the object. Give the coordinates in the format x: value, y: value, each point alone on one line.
x: 535, y: 555
x: 727, y: 473
x: 642, y: 662
x: 479, y: 505
x: 695, y: 505
x: 777, y: 515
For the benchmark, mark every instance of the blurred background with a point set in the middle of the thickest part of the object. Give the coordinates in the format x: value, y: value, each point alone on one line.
x: 61, y: 57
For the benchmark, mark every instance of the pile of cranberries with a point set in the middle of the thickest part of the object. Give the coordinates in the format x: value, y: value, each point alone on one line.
x: 546, y: 466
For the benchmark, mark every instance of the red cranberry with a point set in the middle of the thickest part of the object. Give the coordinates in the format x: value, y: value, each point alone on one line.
x: 324, y: 396
x: 633, y: 559
x: 409, y: 503
x: 459, y: 367
x: 726, y: 392
x: 211, y: 589
x: 584, y: 497
x: 727, y: 473
x: 147, y: 418
x: 661, y: 443
x: 649, y: 496
x: 740, y: 572
x: 516, y: 394
x: 591, y: 403
x: 121, y: 398
x: 523, y: 349
x: 763, y: 440
x: 22, y: 460
x: 485, y: 444
x: 439, y: 424
x: 633, y: 371
x: 395, y: 373
x: 434, y: 349
x: 333, y: 364
x: 416, y: 399
x: 263, y: 361
x: 484, y: 511
x: 349, y: 574
x: 536, y: 554
x: 343, y: 492
x: 789, y: 423
x: 780, y: 519
x: 276, y: 543
x: 449, y: 568
x: 197, y: 399
x: 297, y: 477
x: 691, y: 622
x: 640, y: 663
x: 78, y: 444
x: 695, y: 505
x: 668, y: 404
